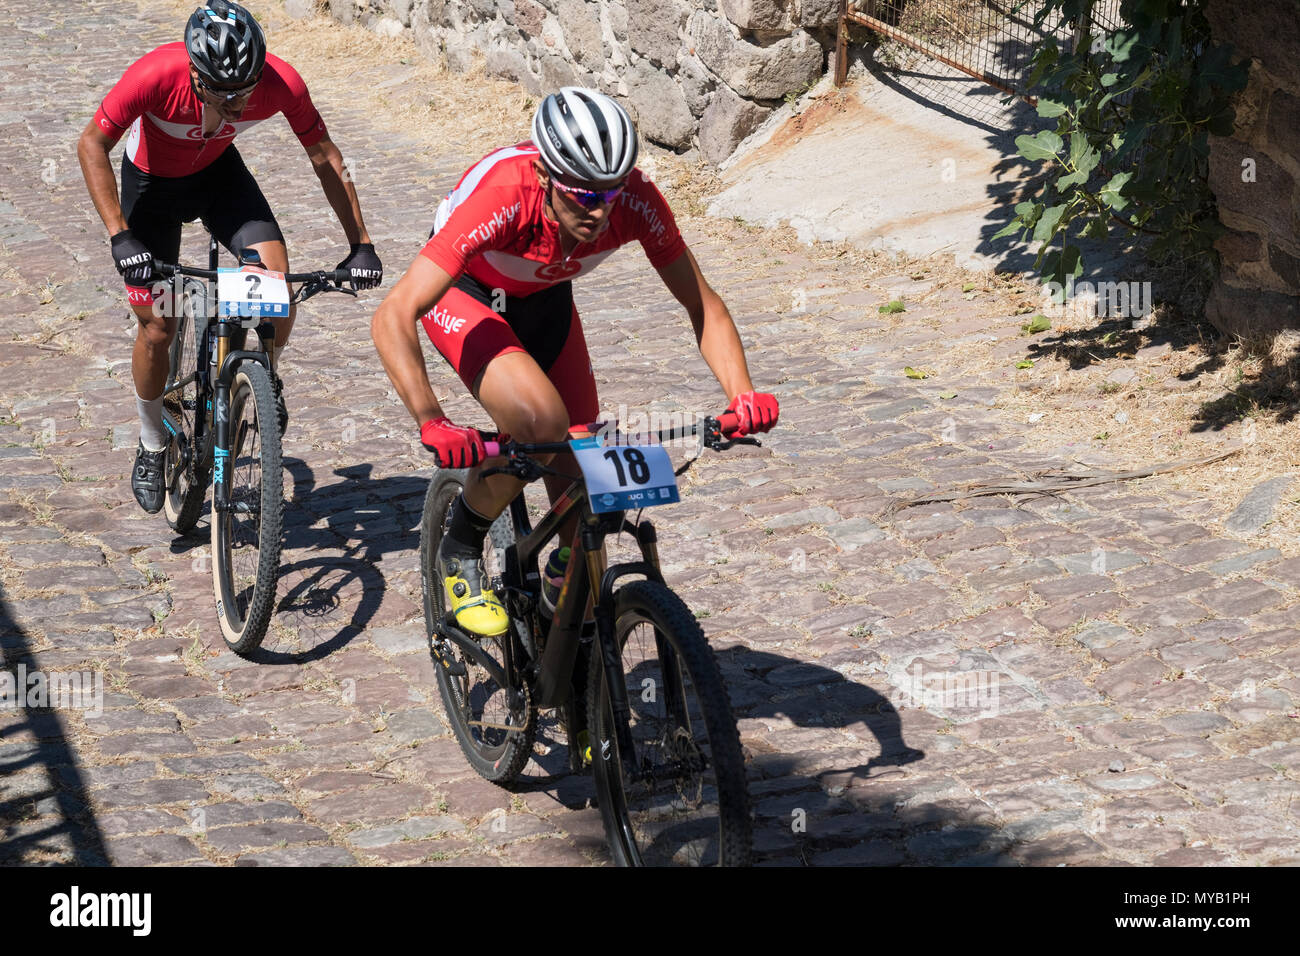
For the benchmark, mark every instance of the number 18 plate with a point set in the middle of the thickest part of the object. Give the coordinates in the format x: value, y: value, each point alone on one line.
x: 626, y: 477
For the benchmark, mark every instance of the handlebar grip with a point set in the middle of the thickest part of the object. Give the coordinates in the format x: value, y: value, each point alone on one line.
x: 728, y: 422
x: 493, y: 448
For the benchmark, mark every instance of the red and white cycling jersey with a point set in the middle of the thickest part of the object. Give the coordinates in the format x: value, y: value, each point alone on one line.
x: 493, y: 226
x: 156, y: 100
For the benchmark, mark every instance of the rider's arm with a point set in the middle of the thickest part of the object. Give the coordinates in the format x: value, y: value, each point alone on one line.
x: 328, y: 163
x: 715, y: 332
x: 93, y: 148
x: 395, y: 331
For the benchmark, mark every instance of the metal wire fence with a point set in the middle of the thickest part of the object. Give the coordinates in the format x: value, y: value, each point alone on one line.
x: 967, y: 55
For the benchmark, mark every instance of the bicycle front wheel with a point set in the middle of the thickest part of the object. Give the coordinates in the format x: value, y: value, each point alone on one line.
x: 494, y: 725
x: 185, y: 477
x: 246, y: 536
x: 681, y: 799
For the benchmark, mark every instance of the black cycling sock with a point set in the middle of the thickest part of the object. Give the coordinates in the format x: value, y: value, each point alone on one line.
x: 467, y: 529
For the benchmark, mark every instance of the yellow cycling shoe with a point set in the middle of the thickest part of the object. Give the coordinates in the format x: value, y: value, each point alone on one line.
x: 471, y: 601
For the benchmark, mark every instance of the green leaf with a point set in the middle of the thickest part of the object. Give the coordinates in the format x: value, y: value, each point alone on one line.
x: 1083, y: 157
x: 1096, y: 229
x: 1110, y: 193
x: 1121, y: 45
x: 1047, y: 224
x: 915, y: 373
x: 1109, y: 79
x: 1039, y: 323
x: 1015, y: 225
x: 895, y: 305
x: 1025, y: 363
x: 947, y: 395
x: 1071, y: 261
x: 967, y: 286
x: 1044, y: 145
x: 1051, y: 108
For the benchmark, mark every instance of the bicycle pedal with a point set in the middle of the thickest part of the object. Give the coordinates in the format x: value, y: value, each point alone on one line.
x: 454, y: 667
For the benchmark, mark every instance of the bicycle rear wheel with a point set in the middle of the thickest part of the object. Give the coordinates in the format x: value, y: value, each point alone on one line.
x: 185, y: 475
x: 246, y: 537
x: 687, y: 804
x: 495, y: 733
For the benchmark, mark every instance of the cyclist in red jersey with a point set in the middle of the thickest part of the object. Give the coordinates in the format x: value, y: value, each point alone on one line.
x: 181, y: 107
x: 492, y: 290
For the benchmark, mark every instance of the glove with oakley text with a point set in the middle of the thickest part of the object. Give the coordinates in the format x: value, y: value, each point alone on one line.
x: 365, y: 271
x: 452, y: 446
x: 132, y: 258
x: 756, y: 411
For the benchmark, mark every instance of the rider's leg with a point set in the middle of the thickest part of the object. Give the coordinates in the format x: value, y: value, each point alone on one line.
x: 155, y: 328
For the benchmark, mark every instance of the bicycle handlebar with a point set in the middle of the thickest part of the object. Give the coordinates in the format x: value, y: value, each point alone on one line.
x: 726, y: 423
x: 321, y: 275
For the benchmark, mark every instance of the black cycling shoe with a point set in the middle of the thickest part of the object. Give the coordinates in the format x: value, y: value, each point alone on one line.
x: 282, y: 413
x: 147, y: 479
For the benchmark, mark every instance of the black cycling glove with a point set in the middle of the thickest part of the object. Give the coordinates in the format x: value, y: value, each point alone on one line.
x: 132, y: 258
x: 364, y: 268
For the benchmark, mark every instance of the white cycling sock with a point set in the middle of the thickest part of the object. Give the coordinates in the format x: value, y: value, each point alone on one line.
x: 152, y: 434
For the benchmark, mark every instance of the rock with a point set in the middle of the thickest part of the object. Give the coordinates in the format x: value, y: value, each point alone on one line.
x: 507, y: 63
x: 727, y: 121
x: 557, y: 72
x: 529, y: 17
x: 299, y: 9
x: 819, y: 14
x: 764, y: 73
x: 343, y: 11
x: 761, y: 16
x: 401, y: 10
x: 659, y: 107
x: 654, y: 29
x: 387, y: 27
x: 1257, y: 507
x: 581, y: 25
x: 1116, y: 766
x: 696, y: 82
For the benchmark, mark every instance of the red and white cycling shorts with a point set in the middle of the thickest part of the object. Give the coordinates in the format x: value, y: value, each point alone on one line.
x: 469, y: 332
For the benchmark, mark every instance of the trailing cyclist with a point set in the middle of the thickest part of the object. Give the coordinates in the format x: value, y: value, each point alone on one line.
x: 492, y: 289
x: 181, y: 106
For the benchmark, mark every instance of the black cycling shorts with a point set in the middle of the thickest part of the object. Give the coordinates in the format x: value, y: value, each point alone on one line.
x: 224, y: 195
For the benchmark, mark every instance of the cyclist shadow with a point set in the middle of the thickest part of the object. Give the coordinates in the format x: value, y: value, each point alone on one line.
x: 335, y: 535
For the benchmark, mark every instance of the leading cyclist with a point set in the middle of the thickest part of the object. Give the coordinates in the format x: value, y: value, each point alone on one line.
x: 492, y: 290
x: 181, y: 106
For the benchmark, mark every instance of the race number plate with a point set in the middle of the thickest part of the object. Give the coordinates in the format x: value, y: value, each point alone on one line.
x: 252, y: 293
x: 625, y: 477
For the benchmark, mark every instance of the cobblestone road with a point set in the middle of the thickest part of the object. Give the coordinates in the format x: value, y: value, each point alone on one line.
x: 1087, y: 679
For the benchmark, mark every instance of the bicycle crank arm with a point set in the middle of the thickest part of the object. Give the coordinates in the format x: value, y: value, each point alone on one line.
x: 470, y: 646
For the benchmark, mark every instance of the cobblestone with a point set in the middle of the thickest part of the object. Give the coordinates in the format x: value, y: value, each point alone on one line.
x: 1118, y: 625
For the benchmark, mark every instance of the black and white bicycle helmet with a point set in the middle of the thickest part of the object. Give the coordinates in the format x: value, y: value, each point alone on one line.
x: 225, y: 43
x: 586, y: 135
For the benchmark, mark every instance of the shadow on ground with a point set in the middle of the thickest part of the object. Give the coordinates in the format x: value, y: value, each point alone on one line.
x: 45, y: 815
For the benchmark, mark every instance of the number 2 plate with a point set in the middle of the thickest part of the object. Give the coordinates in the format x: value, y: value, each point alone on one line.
x: 251, y: 292
x: 625, y: 477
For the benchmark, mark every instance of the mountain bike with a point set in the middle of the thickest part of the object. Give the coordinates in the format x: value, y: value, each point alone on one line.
x: 219, y: 408
x: 662, y: 743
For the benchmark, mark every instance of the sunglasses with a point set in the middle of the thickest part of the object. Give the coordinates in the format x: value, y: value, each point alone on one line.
x: 227, y: 96
x: 587, y: 198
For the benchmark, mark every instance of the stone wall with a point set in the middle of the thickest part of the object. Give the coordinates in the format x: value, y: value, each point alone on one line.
x: 703, y: 73
x: 1255, y: 173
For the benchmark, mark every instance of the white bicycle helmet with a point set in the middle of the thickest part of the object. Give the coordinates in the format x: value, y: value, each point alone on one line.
x: 585, y: 134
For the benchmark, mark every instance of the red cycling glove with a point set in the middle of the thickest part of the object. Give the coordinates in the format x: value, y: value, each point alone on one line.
x: 755, y: 411
x: 452, y: 446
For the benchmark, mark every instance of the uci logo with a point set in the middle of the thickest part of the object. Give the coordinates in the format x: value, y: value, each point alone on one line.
x: 558, y: 270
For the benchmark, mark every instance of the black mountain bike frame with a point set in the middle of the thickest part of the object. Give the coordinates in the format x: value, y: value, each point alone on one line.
x: 550, y: 674
x: 212, y: 436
